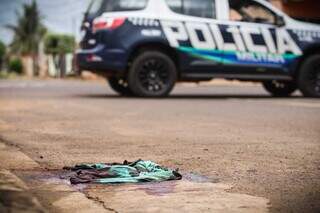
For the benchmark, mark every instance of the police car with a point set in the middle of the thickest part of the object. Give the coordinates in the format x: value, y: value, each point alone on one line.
x: 143, y: 47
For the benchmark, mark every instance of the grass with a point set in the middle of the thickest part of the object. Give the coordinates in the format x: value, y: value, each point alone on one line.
x: 8, y: 75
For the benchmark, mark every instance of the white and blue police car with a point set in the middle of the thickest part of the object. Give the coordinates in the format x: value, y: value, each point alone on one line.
x: 143, y: 47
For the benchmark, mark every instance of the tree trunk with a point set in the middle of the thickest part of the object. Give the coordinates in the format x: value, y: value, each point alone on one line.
x: 62, y: 63
x: 35, y: 65
x: 27, y: 65
x: 42, y: 61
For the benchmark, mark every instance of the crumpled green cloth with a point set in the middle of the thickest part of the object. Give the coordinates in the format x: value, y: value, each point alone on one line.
x: 138, y: 171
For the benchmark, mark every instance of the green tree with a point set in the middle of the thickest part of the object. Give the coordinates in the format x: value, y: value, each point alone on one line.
x: 59, y: 45
x: 2, y: 53
x: 28, y: 32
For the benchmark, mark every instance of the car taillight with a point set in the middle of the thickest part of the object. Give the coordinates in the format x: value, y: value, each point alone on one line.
x: 107, y: 23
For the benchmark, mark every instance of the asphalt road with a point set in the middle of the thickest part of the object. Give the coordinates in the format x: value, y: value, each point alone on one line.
x: 237, y: 134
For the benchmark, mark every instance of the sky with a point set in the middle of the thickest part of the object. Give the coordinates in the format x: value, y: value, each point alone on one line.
x: 59, y: 16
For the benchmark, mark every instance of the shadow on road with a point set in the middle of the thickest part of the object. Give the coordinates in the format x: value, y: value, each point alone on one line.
x: 194, y: 96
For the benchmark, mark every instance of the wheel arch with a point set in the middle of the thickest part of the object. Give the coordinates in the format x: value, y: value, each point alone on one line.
x: 312, y: 50
x: 158, y: 46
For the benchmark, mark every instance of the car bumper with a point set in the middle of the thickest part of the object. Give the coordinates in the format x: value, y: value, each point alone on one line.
x: 101, y: 59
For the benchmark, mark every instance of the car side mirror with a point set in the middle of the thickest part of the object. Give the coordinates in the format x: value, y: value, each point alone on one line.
x: 280, y: 22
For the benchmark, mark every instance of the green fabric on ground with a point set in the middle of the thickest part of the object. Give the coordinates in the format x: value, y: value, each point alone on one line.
x: 139, y: 171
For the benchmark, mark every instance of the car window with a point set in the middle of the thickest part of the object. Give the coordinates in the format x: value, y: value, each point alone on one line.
x: 175, y: 5
x: 197, y: 8
x: 94, y: 6
x: 125, y: 5
x: 251, y: 11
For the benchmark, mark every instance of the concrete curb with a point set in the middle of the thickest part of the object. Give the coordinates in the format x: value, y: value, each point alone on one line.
x: 15, y: 196
x: 18, y: 195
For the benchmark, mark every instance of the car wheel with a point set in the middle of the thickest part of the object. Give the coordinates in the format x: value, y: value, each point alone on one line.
x: 280, y: 88
x: 120, y: 86
x: 152, y: 74
x: 309, y: 77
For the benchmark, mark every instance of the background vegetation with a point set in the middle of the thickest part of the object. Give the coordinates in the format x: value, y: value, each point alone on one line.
x: 2, y: 53
x: 28, y: 34
x: 15, y: 65
x: 59, y: 44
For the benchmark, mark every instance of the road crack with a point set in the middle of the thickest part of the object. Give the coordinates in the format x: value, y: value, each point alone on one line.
x: 101, y: 202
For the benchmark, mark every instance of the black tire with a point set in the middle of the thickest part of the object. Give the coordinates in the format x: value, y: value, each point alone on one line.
x: 280, y: 88
x: 152, y: 74
x: 309, y: 77
x: 120, y: 86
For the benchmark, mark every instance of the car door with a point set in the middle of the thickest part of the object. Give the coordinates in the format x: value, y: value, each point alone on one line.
x: 192, y: 36
x: 251, y: 39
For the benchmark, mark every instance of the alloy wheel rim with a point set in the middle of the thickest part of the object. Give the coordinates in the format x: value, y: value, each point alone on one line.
x: 153, y: 75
